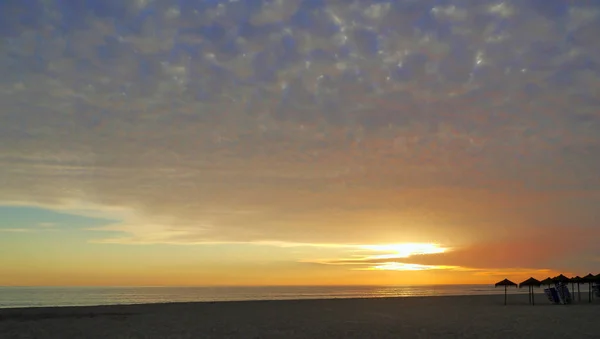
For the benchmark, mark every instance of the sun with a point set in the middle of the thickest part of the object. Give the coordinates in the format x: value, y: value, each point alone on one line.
x: 404, y: 250
x: 394, y: 252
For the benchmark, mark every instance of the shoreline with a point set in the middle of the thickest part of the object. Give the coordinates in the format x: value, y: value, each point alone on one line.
x: 487, y: 296
x: 63, y: 296
x: 515, y: 299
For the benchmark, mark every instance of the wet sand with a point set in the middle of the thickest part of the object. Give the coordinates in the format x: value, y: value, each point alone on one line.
x: 426, y: 317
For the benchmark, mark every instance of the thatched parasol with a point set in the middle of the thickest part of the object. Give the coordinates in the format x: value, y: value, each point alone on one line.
x: 561, y: 279
x: 578, y: 280
x: 531, y: 283
x: 548, y: 281
x: 572, y: 284
x: 589, y: 279
x: 505, y: 283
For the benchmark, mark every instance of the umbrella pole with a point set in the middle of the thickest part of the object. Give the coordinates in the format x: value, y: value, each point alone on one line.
x: 505, y: 294
x: 578, y: 293
x: 532, y: 297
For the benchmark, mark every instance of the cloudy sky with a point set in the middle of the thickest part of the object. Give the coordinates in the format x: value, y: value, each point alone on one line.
x: 253, y: 142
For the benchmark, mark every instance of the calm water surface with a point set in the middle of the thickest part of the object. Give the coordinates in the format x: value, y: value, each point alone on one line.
x: 88, y: 296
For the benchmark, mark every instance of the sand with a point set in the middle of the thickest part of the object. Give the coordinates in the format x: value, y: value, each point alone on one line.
x: 430, y: 317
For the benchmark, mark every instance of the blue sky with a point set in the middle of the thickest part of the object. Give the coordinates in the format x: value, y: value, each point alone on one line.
x: 27, y: 218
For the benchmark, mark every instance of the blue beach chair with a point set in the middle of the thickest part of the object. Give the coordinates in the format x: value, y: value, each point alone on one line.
x: 552, y: 295
x: 563, y: 293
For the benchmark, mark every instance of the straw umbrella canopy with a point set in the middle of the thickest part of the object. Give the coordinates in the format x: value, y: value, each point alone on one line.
x: 589, y: 279
x: 562, y: 279
x: 531, y: 283
x: 505, y: 283
x: 548, y: 281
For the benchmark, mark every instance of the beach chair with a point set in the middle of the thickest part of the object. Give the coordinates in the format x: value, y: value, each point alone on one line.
x: 559, y: 291
x: 556, y: 295
x: 552, y: 295
x: 563, y: 293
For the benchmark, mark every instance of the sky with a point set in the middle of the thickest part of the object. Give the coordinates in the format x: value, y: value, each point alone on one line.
x: 298, y: 142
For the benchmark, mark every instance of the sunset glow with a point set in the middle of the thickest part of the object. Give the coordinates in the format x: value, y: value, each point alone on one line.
x: 404, y: 250
x: 196, y: 143
x: 395, y: 266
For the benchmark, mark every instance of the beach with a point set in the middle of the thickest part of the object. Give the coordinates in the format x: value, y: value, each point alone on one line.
x: 411, y: 317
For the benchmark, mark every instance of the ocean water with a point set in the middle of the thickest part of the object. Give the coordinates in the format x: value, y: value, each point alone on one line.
x: 11, y: 297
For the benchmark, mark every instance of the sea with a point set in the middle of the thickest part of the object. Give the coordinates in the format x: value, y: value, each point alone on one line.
x: 14, y: 297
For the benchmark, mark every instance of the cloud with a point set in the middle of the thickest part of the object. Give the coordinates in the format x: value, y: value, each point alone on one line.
x: 551, y: 247
x: 396, y: 266
x: 15, y: 230
x: 204, y: 122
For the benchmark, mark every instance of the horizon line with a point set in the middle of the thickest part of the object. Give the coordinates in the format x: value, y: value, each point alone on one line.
x: 247, y: 286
